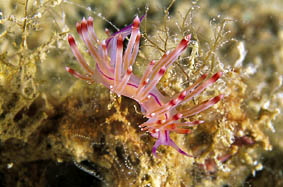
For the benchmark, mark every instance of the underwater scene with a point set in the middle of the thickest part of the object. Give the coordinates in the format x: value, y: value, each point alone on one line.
x: 173, y: 93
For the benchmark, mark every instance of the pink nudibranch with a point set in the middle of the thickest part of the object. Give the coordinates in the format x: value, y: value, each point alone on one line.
x: 114, y: 69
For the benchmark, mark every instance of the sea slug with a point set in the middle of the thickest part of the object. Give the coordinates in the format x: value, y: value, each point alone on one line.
x: 114, y: 69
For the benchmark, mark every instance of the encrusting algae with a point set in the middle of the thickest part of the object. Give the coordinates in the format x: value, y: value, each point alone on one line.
x: 50, y: 123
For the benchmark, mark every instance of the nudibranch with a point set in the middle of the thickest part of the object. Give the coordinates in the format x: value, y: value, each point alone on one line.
x: 114, y: 69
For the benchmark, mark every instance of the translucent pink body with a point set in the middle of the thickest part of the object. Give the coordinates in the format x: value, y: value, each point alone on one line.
x: 114, y: 70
